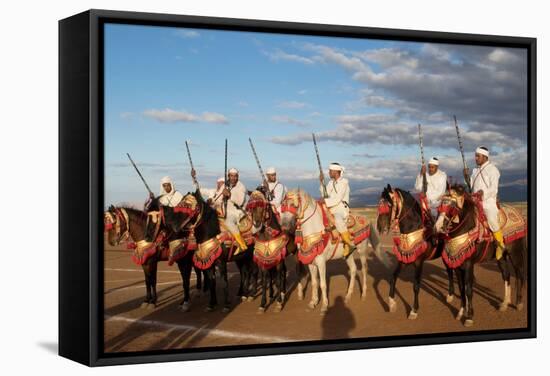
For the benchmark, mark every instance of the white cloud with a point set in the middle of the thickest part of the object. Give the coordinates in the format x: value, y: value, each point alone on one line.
x: 187, y: 34
x: 168, y: 115
x: 291, y: 104
x: 290, y: 120
x: 280, y: 55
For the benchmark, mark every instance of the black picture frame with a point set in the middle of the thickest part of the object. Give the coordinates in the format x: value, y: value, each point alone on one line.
x: 81, y: 170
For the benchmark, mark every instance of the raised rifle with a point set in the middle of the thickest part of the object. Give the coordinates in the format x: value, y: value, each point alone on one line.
x: 195, y: 182
x: 466, y: 178
x: 264, y: 179
x: 424, y: 180
x: 325, y: 194
x: 139, y: 173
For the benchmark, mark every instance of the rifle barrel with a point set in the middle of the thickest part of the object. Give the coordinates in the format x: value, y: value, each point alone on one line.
x: 139, y: 173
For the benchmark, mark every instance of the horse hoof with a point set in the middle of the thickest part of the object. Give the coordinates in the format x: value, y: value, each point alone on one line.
x: 209, y: 309
x: 450, y: 298
x: 413, y: 315
x: 151, y: 306
x: 347, y: 300
x: 278, y: 308
x: 244, y: 298
x: 312, y: 305
x: 226, y: 309
x: 363, y: 297
x: 519, y: 307
x: 459, y: 314
x: 144, y: 305
x: 503, y: 307
x: 261, y: 310
x: 468, y: 322
x: 185, y: 307
x: 324, y: 310
x: 300, y: 296
x: 250, y: 299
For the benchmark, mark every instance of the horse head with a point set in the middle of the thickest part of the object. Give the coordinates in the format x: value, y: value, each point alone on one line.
x: 257, y: 206
x: 116, y: 225
x: 385, y: 205
x: 450, y: 208
x: 292, y: 208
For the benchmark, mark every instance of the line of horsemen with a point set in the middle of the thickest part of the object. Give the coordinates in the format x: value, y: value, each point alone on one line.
x: 339, y: 231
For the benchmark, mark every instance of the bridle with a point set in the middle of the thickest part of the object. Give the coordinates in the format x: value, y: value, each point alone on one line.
x: 394, y: 209
x: 258, y: 200
x: 292, y: 203
x: 117, y: 218
x: 450, y: 210
x: 191, y: 207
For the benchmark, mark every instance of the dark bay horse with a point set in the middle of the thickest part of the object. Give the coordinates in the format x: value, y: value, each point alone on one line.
x: 416, y: 242
x: 195, y: 215
x: 272, y: 246
x: 122, y: 223
x: 459, y: 221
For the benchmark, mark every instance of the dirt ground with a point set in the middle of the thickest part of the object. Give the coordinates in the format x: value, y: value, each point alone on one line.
x: 127, y: 327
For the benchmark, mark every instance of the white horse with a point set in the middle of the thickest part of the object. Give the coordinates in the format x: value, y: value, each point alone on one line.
x: 299, y: 210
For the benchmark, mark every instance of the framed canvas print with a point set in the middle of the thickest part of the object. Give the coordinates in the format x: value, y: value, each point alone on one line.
x: 239, y: 187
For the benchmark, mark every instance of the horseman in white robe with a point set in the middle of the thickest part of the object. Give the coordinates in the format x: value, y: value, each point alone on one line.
x: 235, y: 194
x: 436, y: 182
x: 276, y: 189
x: 215, y: 200
x: 168, y: 195
x: 337, y: 202
x: 484, y: 180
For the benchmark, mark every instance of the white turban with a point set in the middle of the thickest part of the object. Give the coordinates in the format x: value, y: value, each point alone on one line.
x: 233, y: 171
x: 166, y: 180
x: 270, y: 170
x: 483, y: 151
x: 434, y: 161
x: 336, y: 167
x: 220, y: 180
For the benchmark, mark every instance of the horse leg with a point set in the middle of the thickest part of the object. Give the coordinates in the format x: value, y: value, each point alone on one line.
x: 363, y: 260
x: 225, y: 285
x: 254, y: 276
x: 314, y: 286
x: 518, y: 256
x: 186, y: 266
x: 451, y: 290
x: 352, y: 268
x: 147, y: 272
x: 211, y: 278
x: 198, y: 273
x: 302, y: 278
x: 469, y: 287
x: 505, y: 272
x: 264, y: 276
x: 417, y: 281
x: 461, y: 287
x: 391, y: 301
x: 280, y: 277
x: 241, y: 278
x: 322, y: 267
x: 154, y: 264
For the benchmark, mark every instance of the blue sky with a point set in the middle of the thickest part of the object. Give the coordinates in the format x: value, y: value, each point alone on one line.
x: 364, y: 99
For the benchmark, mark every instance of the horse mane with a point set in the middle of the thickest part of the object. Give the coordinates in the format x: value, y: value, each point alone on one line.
x: 409, y: 199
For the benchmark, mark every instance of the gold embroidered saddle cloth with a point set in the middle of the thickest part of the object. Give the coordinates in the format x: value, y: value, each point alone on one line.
x: 245, y: 228
x: 511, y: 223
x: 359, y: 227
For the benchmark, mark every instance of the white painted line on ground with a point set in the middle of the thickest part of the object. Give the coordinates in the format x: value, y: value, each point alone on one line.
x: 207, y: 331
x: 141, y: 286
x: 138, y: 270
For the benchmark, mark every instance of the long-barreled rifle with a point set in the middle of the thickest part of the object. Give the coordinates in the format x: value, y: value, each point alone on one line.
x: 264, y: 179
x: 424, y: 180
x: 466, y: 178
x: 195, y: 182
x: 141, y: 176
x: 325, y: 194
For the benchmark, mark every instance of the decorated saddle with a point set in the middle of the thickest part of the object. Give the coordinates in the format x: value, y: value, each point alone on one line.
x: 269, y: 253
x: 312, y: 245
x: 245, y: 228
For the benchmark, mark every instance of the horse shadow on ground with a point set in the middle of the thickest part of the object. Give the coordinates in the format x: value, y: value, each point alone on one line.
x: 189, y: 328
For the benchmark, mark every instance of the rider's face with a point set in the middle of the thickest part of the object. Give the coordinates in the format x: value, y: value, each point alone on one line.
x: 334, y: 174
x: 272, y: 178
x: 480, y: 159
x: 167, y: 187
x: 432, y: 169
x: 233, y: 179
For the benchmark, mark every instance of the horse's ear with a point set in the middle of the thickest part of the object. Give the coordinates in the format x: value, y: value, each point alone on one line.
x: 389, y: 188
x: 111, y: 207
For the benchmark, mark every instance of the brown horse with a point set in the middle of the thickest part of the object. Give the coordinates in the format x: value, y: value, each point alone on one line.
x: 122, y: 223
x: 272, y: 245
x: 415, y: 244
x: 469, y: 242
